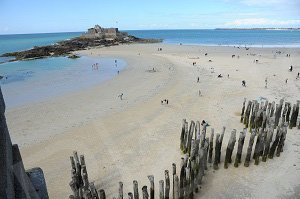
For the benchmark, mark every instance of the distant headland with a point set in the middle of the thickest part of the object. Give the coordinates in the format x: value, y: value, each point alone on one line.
x: 94, y: 37
x: 257, y: 29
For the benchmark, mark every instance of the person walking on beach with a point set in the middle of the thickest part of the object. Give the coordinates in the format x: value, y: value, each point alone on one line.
x: 286, y: 81
x: 198, y: 80
x: 199, y: 93
x: 244, y: 83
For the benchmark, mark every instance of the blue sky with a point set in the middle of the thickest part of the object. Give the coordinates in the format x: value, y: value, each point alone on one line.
x: 35, y: 16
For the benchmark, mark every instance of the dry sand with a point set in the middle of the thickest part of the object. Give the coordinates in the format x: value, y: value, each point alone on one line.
x: 126, y: 140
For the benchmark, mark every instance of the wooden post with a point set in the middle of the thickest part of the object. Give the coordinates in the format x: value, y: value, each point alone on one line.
x: 217, y: 153
x: 176, y: 187
x: 182, y: 136
x: 203, y: 134
x: 240, y: 147
x: 247, y: 114
x: 220, y: 143
x: 287, y: 117
x: 201, y: 166
x: 267, y: 143
x: 151, y: 179
x: 161, y: 189
x: 102, y: 194
x: 249, y: 149
x: 243, y: 111
x: 188, y: 192
x: 167, y: 189
x: 230, y: 148
x: 259, y: 146
x: 174, y: 173
x: 182, y: 177
x: 275, y: 143
x: 145, y: 192
x: 189, y: 137
x: 94, y: 191
x: 120, y: 190
x: 135, y: 189
x: 282, y: 139
x: 205, y: 149
x: 210, y: 152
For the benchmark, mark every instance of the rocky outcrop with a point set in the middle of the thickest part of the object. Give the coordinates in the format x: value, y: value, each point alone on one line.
x: 78, y: 43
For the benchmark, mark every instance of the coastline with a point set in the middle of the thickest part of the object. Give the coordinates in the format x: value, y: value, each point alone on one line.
x: 113, y: 133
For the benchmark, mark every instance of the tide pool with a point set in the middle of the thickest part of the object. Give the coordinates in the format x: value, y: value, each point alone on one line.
x: 33, y: 81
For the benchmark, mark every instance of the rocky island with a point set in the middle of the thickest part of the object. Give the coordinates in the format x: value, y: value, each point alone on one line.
x: 94, y: 37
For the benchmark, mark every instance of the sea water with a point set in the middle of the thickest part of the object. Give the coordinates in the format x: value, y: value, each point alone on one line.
x: 25, y: 82
x: 216, y: 37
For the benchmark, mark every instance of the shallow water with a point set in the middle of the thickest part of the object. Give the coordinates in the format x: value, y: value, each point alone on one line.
x: 32, y: 81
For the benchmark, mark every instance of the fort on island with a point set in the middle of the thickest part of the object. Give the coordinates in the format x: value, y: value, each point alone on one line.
x: 100, y: 32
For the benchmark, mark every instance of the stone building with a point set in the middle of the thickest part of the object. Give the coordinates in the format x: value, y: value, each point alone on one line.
x: 98, y: 31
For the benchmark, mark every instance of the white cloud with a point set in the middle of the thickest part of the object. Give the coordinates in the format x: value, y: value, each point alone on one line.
x: 262, y: 21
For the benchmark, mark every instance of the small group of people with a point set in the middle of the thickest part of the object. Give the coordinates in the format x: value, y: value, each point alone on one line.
x: 288, y: 55
x: 95, y: 66
x: 194, y: 63
x: 159, y: 49
x: 165, y: 101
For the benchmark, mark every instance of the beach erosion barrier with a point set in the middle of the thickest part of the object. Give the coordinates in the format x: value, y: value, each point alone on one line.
x: 266, y: 123
x: 15, y: 181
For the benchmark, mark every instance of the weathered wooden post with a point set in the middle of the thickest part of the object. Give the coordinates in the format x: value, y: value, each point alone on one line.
x: 247, y: 114
x: 151, y: 179
x: 176, y: 187
x: 288, y: 112
x: 210, y: 152
x: 145, y: 192
x: 203, y: 134
x: 217, y: 152
x: 189, y: 137
x: 272, y: 109
x: 94, y: 191
x: 282, y: 139
x: 253, y: 114
x: 174, y: 173
x: 200, y: 166
x: 278, y: 112
x: 102, y: 194
x: 161, y: 189
x: 220, y: 143
x: 182, y: 179
x: 268, y: 142
x: 120, y: 190
x: 294, y: 116
x: 259, y: 146
x: 275, y: 143
x: 205, y: 149
x: 230, y: 148
x: 167, y: 189
x: 249, y: 149
x: 135, y: 189
x: 188, y: 193
x: 240, y: 147
x: 243, y: 110
x: 183, y: 135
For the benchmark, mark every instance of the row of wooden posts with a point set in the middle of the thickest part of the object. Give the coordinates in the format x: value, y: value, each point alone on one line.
x: 257, y: 115
x: 199, y: 150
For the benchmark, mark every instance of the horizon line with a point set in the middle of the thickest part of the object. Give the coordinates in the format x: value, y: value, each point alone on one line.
x: 292, y: 28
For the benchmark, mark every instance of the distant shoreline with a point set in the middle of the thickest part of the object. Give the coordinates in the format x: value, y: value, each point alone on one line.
x: 257, y: 28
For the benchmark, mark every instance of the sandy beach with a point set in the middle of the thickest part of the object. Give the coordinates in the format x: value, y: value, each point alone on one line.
x: 126, y: 140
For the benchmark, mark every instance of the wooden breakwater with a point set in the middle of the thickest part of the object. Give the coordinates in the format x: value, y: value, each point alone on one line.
x: 266, y: 140
x: 15, y: 181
